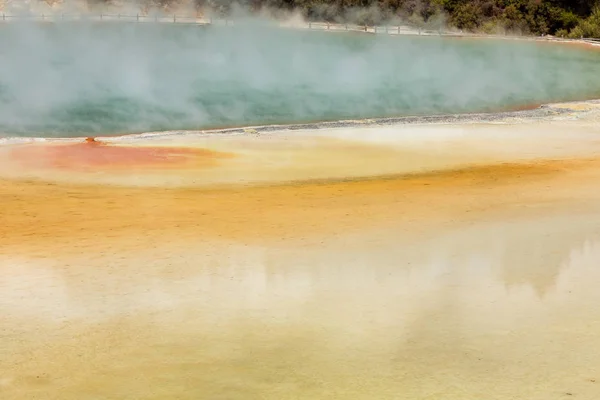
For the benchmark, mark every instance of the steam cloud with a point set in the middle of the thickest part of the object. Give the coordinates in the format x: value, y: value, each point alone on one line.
x: 79, y: 78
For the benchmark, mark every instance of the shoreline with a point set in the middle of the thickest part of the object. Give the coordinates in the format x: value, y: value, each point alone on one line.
x: 53, y: 16
x: 521, y: 114
x: 323, y: 152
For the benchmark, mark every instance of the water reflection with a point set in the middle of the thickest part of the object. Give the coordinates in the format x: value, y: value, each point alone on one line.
x: 507, y: 308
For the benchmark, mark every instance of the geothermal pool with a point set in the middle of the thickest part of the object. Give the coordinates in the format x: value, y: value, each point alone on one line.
x: 74, y: 79
x: 358, y: 261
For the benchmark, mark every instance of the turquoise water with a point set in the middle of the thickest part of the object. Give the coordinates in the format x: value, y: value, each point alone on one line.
x: 75, y: 79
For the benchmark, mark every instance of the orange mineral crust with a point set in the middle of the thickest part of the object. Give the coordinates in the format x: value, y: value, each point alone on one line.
x: 38, y: 217
x: 96, y: 155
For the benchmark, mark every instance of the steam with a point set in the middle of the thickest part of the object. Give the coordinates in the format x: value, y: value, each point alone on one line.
x: 86, y: 77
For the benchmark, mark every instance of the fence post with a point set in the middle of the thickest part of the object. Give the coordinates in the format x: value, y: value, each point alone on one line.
x: 100, y: 16
x: 309, y: 25
x: 398, y: 29
x: 328, y: 26
x: 174, y: 18
x: 138, y: 17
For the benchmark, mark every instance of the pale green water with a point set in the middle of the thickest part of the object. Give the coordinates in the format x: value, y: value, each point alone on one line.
x: 77, y: 79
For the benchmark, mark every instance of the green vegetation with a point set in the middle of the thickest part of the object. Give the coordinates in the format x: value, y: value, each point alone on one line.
x: 565, y: 18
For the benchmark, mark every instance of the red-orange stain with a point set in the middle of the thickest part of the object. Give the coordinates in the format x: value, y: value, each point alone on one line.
x: 95, y: 155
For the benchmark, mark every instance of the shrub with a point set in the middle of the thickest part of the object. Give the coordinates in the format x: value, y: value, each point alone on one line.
x: 589, y: 28
x: 562, y: 33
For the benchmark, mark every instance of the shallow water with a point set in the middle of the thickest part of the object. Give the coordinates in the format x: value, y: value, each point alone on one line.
x: 74, y: 79
x: 503, y: 310
x: 468, y: 283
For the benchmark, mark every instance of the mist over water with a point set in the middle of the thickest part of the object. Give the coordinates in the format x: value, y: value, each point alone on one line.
x: 80, y: 78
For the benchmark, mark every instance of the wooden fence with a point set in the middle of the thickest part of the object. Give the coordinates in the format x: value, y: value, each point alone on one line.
x: 186, y: 19
x: 110, y: 17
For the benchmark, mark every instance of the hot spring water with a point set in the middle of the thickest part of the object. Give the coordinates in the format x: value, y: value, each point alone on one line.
x: 74, y: 79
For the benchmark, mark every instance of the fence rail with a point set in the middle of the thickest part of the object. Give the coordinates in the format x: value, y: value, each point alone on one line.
x: 186, y: 19
x: 387, y: 29
x: 111, y: 17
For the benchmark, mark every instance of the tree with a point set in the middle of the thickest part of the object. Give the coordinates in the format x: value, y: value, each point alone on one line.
x: 467, y: 16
